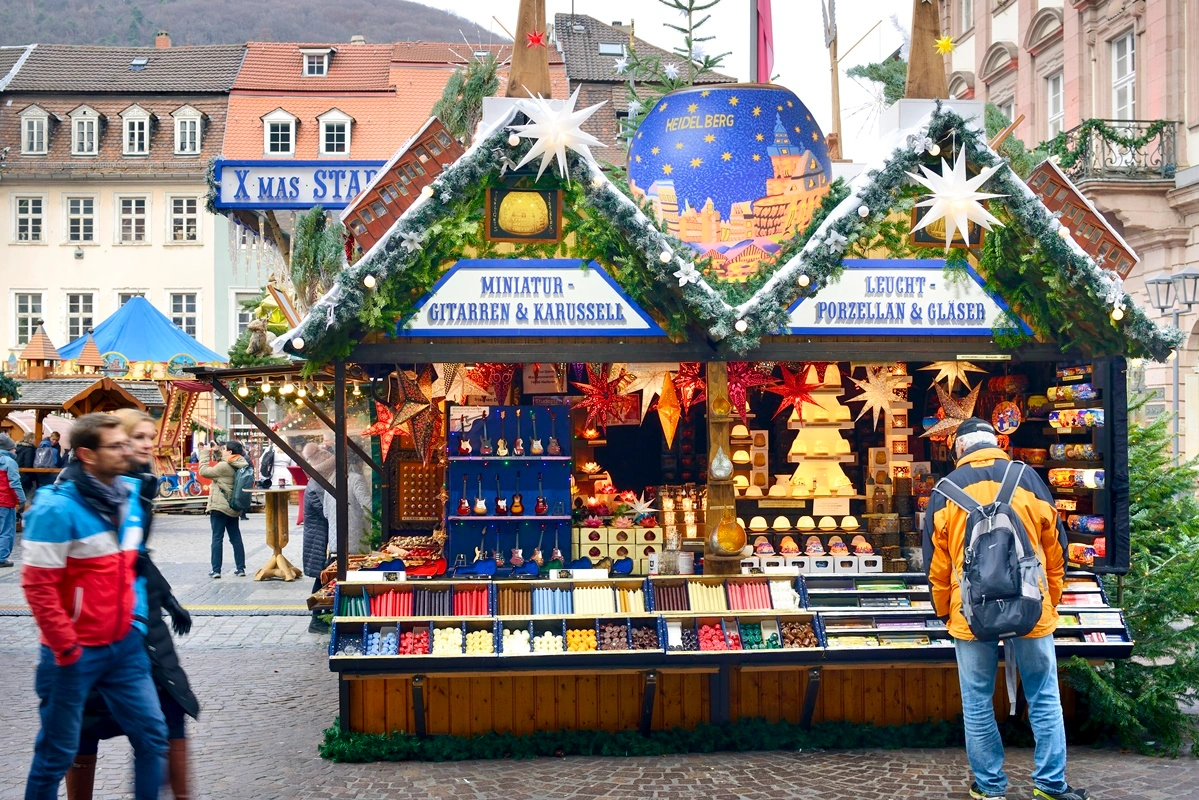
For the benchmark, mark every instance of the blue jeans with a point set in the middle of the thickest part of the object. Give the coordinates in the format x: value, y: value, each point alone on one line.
x: 8, y: 531
x: 121, y: 673
x: 220, y: 524
x: 977, y: 666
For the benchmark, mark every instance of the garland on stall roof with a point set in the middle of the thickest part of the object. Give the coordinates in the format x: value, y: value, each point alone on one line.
x: 1067, y: 157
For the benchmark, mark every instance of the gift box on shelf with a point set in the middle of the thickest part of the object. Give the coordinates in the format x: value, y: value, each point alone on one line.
x: 821, y: 565
x: 771, y: 561
x: 870, y: 563
x: 802, y: 563
x: 845, y: 564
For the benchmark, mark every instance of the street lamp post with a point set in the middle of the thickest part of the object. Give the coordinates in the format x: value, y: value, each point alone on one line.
x: 1166, y: 292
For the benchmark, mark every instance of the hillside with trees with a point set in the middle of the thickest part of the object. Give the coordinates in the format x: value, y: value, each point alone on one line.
x: 194, y: 22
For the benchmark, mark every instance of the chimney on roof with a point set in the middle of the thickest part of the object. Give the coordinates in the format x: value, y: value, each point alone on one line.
x: 162, y: 40
x: 358, y: 38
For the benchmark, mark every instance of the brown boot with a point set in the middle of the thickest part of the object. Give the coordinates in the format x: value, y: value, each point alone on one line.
x: 80, y: 778
x: 177, y: 769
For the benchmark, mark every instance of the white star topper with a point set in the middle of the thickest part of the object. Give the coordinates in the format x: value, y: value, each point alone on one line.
x: 955, y: 198
x: 555, y: 130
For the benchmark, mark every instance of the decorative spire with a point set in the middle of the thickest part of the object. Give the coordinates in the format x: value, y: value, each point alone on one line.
x: 529, y: 73
x: 926, y: 66
x: 90, y: 355
x: 40, y: 348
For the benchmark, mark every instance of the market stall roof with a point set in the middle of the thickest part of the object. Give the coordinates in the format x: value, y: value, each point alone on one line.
x: 140, y: 332
x: 79, y: 396
x: 52, y: 423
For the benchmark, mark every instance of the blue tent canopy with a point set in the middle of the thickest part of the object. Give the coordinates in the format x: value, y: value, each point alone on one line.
x: 140, y: 332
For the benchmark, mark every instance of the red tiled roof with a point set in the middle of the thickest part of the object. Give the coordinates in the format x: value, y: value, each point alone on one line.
x: 380, y: 124
x: 451, y: 53
x: 278, y: 66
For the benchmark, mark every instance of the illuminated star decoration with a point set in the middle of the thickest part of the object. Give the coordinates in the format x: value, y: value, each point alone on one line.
x: 383, y: 429
x: 535, y: 39
x: 743, y: 376
x: 648, y: 382
x: 878, y: 392
x: 642, y: 507
x: 795, y: 391
x: 410, y: 400
x: 671, y: 71
x: 427, y: 422
x: 669, y: 410
x: 451, y: 383
x: 621, y: 64
x: 956, y: 199
x: 952, y: 372
x: 944, y: 45
x: 957, y: 410
x: 602, y: 398
x: 554, y: 130
x: 689, y: 384
x: 820, y: 368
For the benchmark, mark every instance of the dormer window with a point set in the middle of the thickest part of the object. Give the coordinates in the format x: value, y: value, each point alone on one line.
x: 35, y: 131
x: 188, y: 133
x: 611, y: 49
x: 335, y: 132
x: 85, y: 132
x: 136, y: 126
x: 316, y: 62
x: 279, y: 133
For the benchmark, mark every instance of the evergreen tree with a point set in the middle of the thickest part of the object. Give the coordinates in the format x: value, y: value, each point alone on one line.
x: 318, y: 254
x: 461, y: 105
x: 1139, y: 701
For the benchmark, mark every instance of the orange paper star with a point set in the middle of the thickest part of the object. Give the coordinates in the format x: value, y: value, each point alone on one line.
x: 383, y: 429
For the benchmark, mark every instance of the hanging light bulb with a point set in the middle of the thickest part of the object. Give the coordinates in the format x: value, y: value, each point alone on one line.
x: 298, y: 343
x: 665, y: 256
x: 266, y: 385
x: 357, y: 391
x: 320, y: 391
x: 934, y: 149
x: 513, y: 140
x: 1117, y: 313
x: 741, y: 325
x: 287, y: 388
x: 426, y: 192
x: 243, y: 390
x: 369, y: 281
x: 804, y: 280
x: 302, y: 391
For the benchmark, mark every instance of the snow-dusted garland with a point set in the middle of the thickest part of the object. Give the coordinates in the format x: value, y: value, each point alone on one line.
x: 671, y: 262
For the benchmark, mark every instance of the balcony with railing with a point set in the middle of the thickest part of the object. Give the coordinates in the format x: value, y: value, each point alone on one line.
x: 1119, y: 150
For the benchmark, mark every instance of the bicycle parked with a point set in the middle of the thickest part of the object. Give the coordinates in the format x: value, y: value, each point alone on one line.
x: 183, y: 483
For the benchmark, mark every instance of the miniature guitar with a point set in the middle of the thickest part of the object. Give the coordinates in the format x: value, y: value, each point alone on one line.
x: 480, y: 553
x: 557, y: 554
x: 463, y: 441
x: 485, y: 442
x: 517, y: 557
x: 480, y: 504
x: 499, y: 554
x: 541, y: 506
x: 501, y: 505
x: 518, y: 447
x: 518, y: 502
x: 554, y: 449
x: 535, y: 444
x: 501, y: 446
x: 464, y: 501
x: 537, y: 558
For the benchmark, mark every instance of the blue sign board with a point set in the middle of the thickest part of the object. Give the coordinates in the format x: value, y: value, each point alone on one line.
x: 287, y: 184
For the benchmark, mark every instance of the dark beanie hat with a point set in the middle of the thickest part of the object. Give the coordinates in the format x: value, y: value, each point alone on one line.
x: 974, y: 425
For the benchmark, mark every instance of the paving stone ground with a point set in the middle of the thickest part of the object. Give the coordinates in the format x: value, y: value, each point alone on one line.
x: 267, y: 695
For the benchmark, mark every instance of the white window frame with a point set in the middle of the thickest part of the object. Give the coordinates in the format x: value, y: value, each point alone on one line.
x: 965, y: 16
x: 278, y: 117
x: 1125, y: 79
x: 131, y: 292
x: 315, y: 62
x: 335, y: 116
x: 30, y: 317
x: 1055, y: 103
x: 81, y: 119
x: 77, y: 317
x: 235, y: 319
x: 134, y: 143
x: 14, y: 200
x: 33, y: 118
x: 610, y: 49
x: 196, y: 313
x: 186, y: 117
x: 197, y: 215
x: 67, y: 216
x: 119, y: 216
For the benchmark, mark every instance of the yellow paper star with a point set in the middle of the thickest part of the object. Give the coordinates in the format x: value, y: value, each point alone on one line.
x: 726, y: 156
x: 733, y: 100
x: 711, y: 137
x: 944, y: 46
x: 757, y: 111
x: 759, y: 137
x: 757, y: 157
x: 654, y: 151
x: 691, y: 108
x: 695, y: 162
x: 666, y: 168
x: 952, y: 372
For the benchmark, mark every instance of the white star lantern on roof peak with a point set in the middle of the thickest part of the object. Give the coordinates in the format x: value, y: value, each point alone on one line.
x: 554, y: 130
x: 671, y: 71
x: 956, y: 198
x: 621, y: 64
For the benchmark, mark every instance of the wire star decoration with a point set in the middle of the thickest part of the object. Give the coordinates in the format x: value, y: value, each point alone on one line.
x: 957, y: 410
x: 956, y: 199
x: 556, y: 130
x: 878, y: 392
x: 952, y: 371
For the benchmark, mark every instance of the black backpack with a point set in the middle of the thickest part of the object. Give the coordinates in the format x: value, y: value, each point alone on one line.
x: 243, y: 482
x: 1001, y: 575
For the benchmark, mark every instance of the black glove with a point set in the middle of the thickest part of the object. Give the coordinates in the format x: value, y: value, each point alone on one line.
x: 181, y: 621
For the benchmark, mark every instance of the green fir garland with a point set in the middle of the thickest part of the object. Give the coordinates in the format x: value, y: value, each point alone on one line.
x: 1059, y: 146
x: 9, y: 388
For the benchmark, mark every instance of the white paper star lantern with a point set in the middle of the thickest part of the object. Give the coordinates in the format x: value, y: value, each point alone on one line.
x: 554, y: 131
x: 956, y: 199
x: 671, y: 71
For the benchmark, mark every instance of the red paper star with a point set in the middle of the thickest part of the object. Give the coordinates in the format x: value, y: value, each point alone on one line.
x: 743, y: 376
x: 602, y: 398
x: 424, y: 423
x: 497, y: 377
x: 535, y: 39
x: 689, y: 383
x: 383, y: 429
x: 795, y: 391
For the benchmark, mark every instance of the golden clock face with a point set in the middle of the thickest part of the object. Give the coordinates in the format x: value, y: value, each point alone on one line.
x: 524, y: 213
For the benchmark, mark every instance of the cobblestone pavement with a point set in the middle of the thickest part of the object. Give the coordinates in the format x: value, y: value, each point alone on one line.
x: 267, y: 695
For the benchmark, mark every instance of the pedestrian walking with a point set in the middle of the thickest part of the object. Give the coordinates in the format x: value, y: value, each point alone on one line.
x: 316, y: 526
x: 12, y: 498
x: 82, y: 540
x: 175, y: 696
x: 25, y: 453
x: 223, y: 517
x: 988, y: 486
x: 48, y: 456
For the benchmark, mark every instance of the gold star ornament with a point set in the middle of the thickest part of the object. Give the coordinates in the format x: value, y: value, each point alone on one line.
x: 944, y: 46
x: 952, y: 372
x: 878, y: 392
x: 957, y: 410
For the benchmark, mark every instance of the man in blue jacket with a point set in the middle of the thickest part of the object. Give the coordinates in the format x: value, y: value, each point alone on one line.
x: 81, y: 545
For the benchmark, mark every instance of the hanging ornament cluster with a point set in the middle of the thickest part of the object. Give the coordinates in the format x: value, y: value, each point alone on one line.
x: 952, y: 372
x: 410, y: 400
x: 957, y: 410
x: 554, y: 130
x: 690, y: 386
x: 743, y: 376
x: 425, y: 423
x: 956, y: 199
x: 602, y: 398
x: 879, y: 390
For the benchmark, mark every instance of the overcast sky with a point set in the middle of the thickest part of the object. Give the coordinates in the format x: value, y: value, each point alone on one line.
x: 801, y: 61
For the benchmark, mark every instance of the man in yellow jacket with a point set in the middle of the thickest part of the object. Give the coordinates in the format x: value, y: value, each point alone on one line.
x: 980, y: 469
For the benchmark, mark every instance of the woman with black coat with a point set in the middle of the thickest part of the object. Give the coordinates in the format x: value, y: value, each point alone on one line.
x: 316, y: 526
x: 174, y: 690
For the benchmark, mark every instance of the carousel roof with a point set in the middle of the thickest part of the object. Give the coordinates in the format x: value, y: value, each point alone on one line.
x: 140, y: 332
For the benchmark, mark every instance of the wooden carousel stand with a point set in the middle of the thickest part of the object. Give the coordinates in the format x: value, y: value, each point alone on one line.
x: 278, y: 534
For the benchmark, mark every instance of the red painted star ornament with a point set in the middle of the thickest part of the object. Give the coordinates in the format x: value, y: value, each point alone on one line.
x: 536, y: 39
x: 383, y: 429
x: 795, y: 391
x: 743, y: 376
x: 690, y: 385
x: 602, y: 398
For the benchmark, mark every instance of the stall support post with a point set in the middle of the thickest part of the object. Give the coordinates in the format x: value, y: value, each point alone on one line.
x: 648, y: 695
x: 722, y: 498
x: 720, y: 695
x: 418, y: 705
x: 343, y: 703
x: 342, y: 465
x: 809, y: 698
